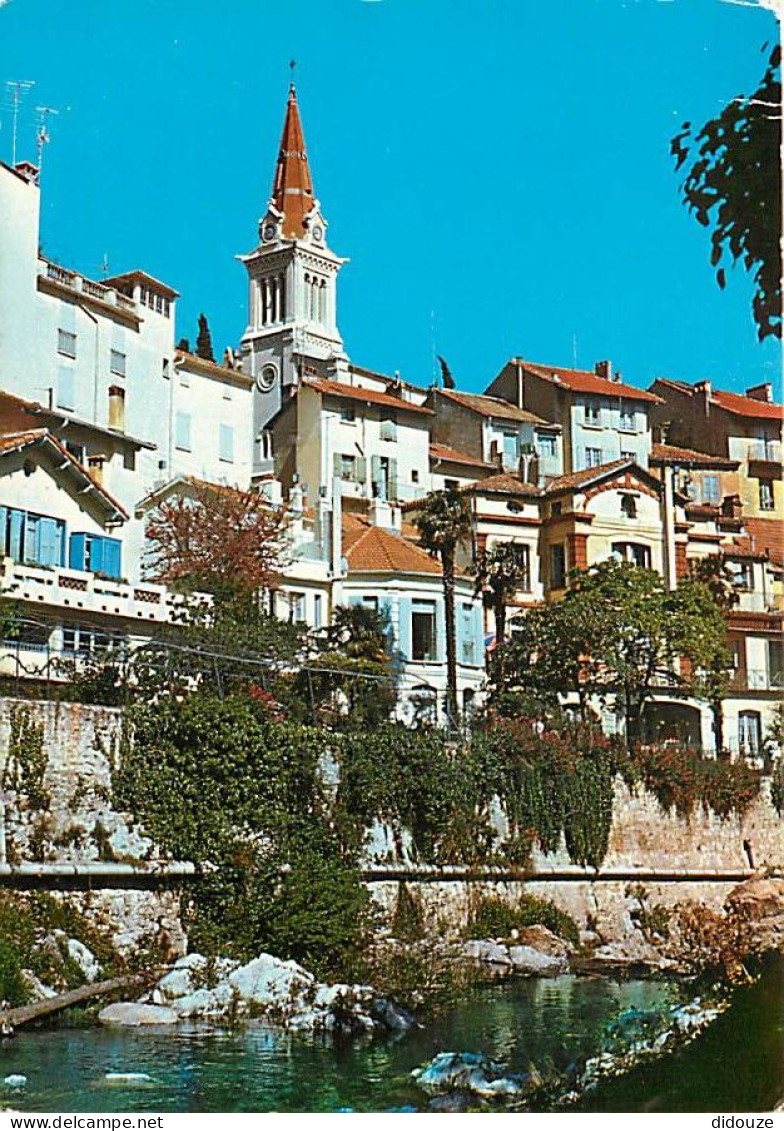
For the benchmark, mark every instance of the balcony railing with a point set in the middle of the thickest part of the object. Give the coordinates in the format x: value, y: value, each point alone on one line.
x: 760, y: 679
x: 65, y: 278
x: 84, y: 593
x: 766, y: 451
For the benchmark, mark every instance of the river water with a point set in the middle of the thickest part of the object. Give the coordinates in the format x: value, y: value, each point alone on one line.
x: 736, y: 1065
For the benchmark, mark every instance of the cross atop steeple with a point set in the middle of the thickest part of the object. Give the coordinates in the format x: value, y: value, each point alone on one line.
x: 292, y: 188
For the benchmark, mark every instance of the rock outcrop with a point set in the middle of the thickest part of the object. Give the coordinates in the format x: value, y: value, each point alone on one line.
x: 534, y: 952
x: 281, y: 992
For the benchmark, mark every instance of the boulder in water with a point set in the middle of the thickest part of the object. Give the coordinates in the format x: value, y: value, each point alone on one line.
x: 127, y: 1078
x: 135, y: 1013
x: 467, y: 1072
x: 526, y: 960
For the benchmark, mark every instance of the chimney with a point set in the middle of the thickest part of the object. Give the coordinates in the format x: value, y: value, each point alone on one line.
x: 117, y: 408
x: 95, y: 464
x: 704, y: 389
x: 763, y: 392
x: 603, y: 369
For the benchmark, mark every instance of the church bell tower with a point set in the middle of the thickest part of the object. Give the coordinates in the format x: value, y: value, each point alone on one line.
x: 292, y: 308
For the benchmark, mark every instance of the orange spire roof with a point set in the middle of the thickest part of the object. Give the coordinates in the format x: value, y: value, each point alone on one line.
x: 292, y: 189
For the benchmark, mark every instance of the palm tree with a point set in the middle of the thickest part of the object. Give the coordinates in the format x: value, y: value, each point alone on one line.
x: 443, y: 522
x: 500, y: 573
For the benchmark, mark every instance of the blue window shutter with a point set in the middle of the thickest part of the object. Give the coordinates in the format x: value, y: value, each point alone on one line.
x: 15, y: 535
x: 97, y: 554
x: 404, y: 626
x: 479, y: 635
x: 3, y: 530
x: 46, y: 542
x: 440, y: 632
x: 354, y: 599
x: 60, y: 543
x: 112, y: 557
x: 76, y: 551
x: 30, y: 544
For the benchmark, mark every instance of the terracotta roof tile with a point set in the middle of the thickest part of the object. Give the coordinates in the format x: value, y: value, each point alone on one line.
x: 503, y: 484
x: 370, y: 549
x: 491, y: 406
x: 450, y: 455
x: 587, y: 475
x: 18, y: 441
x: 747, y: 406
x: 367, y: 396
x: 767, y: 535
x: 583, y: 381
x: 668, y: 453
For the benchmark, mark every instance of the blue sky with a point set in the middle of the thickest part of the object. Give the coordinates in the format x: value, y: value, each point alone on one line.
x: 497, y: 171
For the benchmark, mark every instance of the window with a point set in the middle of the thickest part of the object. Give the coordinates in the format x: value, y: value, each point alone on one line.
x: 634, y: 552
x: 414, y: 476
x: 629, y: 455
x: 348, y: 467
x: 557, y: 566
x: 165, y: 369
x: 629, y: 506
x: 266, y: 444
x: 182, y: 431
x: 556, y: 509
x: 66, y: 343
x: 749, y: 732
x: 296, y: 607
x: 66, y: 396
x: 547, y: 446
x: 96, y: 553
x: 33, y: 538
x: 369, y: 601
x: 592, y: 413
x: 511, y: 446
x: 423, y: 630
x: 742, y: 575
x: 117, y: 362
x: 710, y: 490
x: 468, y: 648
x: 226, y: 443
x: 736, y: 651
x: 766, y: 494
x: 627, y: 417
x: 80, y: 640
x: 451, y: 484
x: 523, y: 555
x: 776, y: 664
x: 318, y: 610
x: 388, y: 427
x: 348, y: 413
x: 593, y: 457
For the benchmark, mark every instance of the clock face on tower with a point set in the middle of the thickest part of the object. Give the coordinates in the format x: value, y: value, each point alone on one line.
x: 270, y: 231
x: 318, y: 233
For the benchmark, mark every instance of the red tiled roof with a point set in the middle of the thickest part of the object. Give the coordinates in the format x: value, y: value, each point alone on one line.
x: 747, y: 406
x: 292, y: 189
x: 491, y: 406
x: 450, y: 455
x: 767, y: 535
x: 213, y: 368
x: 582, y: 381
x: 668, y: 453
x: 587, y: 475
x: 367, y: 396
x: 18, y: 441
x: 503, y: 484
x: 370, y: 549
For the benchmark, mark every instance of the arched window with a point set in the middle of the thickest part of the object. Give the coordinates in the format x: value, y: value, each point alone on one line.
x: 322, y: 300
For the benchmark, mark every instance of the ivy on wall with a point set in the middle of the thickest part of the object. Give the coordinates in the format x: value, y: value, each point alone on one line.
x: 25, y: 763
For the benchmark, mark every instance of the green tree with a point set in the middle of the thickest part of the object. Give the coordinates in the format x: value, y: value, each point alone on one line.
x: 500, y: 573
x: 618, y: 633
x: 444, y: 522
x: 733, y: 185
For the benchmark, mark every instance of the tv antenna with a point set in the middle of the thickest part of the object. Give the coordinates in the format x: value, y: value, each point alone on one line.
x: 43, y: 137
x: 17, y: 88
